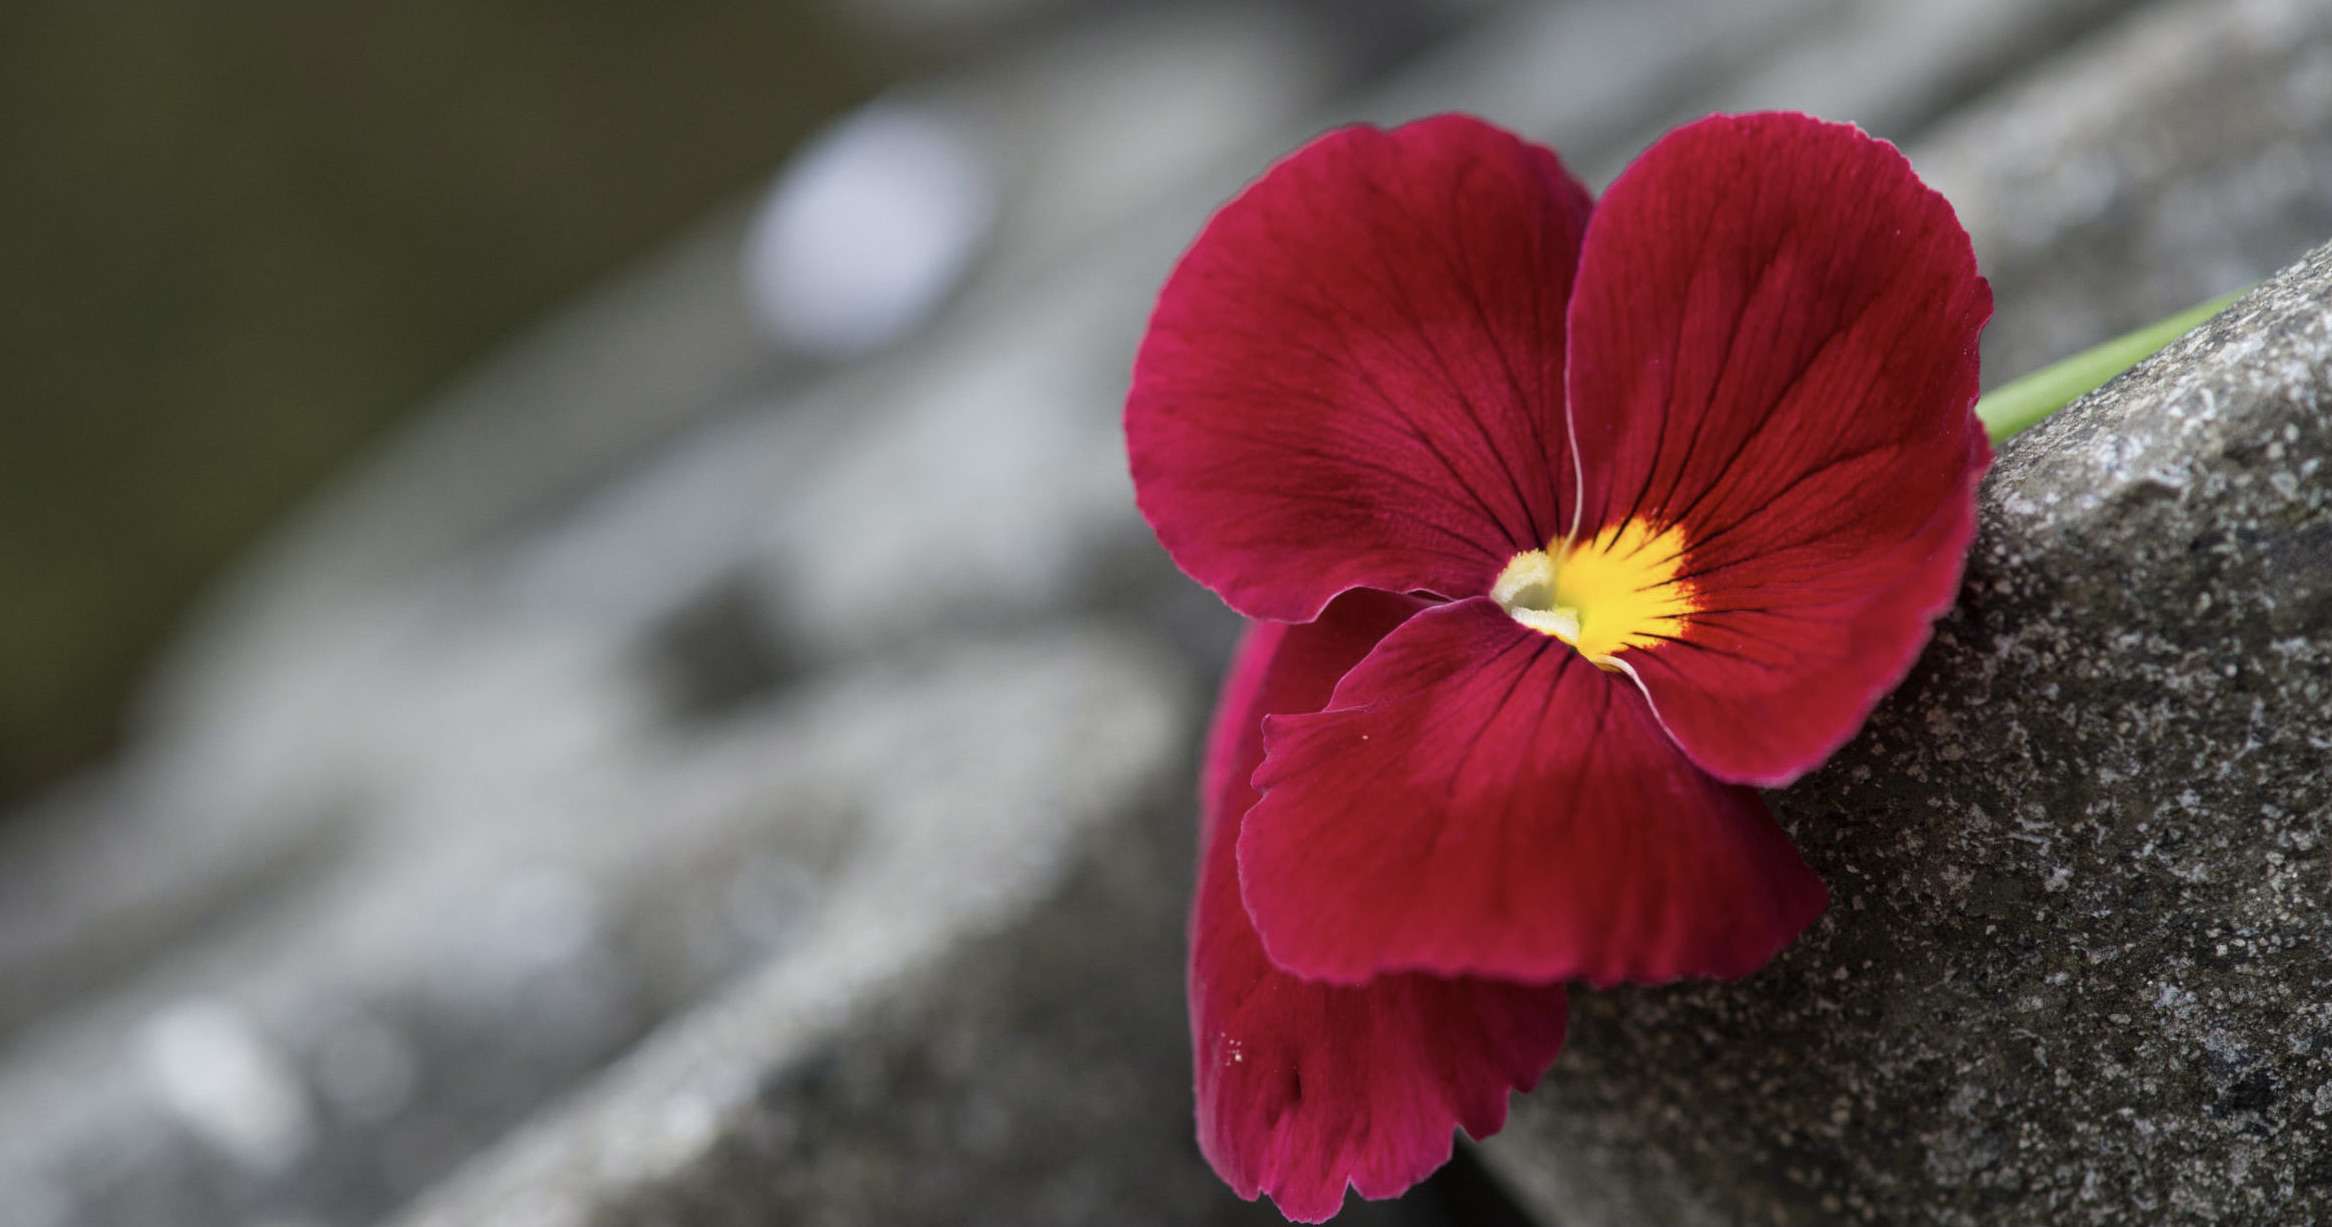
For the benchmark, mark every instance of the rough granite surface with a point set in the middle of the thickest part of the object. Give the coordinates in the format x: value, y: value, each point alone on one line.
x: 2077, y: 968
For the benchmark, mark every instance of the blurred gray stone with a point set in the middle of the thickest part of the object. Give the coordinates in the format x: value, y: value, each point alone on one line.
x: 439, y: 814
x: 404, y: 1008
x: 551, y: 518
x: 2185, y: 154
x: 2078, y: 963
x: 1600, y: 80
x: 606, y: 389
x: 1893, y: 67
x: 99, y: 876
x: 1034, y: 1072
x: 235, y: 783
x: 1588, y: 77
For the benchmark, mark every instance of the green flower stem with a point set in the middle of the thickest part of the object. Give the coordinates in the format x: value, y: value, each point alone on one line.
x: 2024, y: 402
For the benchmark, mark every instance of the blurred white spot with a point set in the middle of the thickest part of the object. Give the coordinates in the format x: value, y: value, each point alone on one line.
x: 867, y: 229
x: 219, y: 1074
x: 689, y: 1126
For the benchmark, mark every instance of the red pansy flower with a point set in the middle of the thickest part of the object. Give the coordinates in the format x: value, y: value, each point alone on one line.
x: 1563, y: 524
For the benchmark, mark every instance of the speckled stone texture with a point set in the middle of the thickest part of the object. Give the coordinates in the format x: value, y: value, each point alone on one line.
x: 2078, y: 965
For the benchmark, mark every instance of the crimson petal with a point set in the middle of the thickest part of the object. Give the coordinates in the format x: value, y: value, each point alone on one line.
x: 1304, y: 1088
x: 1774, y: 347
x: 1478, y: 799
x: 1355, y: 376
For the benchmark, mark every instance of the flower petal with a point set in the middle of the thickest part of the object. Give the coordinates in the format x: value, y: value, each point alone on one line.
x: 1478, y: 799
x: 1304, y: 1088
x: 1355, y: 376
x: 1774, y: 348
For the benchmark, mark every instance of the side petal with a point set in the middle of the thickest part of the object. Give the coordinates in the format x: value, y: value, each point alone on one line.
x: 1774, y: 350
x: 1355, y: 376
x: 1478, y: 799
x: 1304, y: 1088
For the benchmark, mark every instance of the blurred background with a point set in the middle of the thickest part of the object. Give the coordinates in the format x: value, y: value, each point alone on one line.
x: 575, y: 647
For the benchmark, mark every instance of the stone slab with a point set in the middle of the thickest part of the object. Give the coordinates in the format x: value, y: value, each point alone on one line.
x: 2182, y: 154
x: 357, y: 1038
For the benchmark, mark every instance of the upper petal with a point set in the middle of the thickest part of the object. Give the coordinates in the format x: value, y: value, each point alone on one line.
x: 1305, y: 1088
x: 1479, y: 799
x: 1774, y: 351
x: 1355, y: 376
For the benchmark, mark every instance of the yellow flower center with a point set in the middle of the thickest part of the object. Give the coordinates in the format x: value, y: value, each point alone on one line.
x: 1616, y: 590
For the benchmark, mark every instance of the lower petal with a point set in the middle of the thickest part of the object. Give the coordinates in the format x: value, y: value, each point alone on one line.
x: 1305, y: 1088
x: 1480, y: 800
